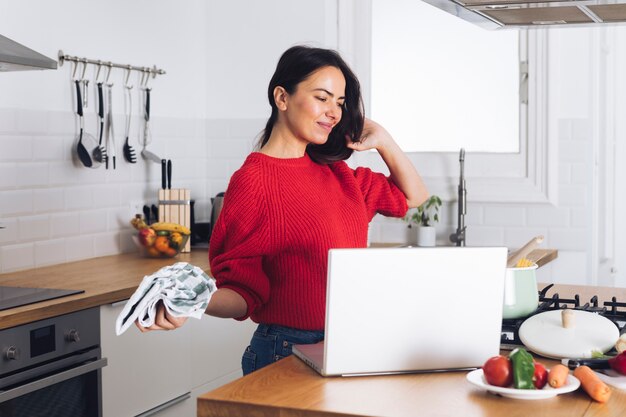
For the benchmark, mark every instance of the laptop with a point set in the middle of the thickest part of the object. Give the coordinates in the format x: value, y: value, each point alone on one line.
x: 401, y: 310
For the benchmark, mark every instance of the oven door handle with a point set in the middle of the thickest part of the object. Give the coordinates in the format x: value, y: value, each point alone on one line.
x: 52, y: 379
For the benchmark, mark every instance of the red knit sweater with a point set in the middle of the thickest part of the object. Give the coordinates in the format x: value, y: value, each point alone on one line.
x: 280, y: 217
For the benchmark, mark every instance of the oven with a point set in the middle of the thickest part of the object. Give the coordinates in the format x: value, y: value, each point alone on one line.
x: 52, y: 367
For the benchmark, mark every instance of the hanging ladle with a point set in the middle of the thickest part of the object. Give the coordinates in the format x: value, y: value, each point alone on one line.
x: 83, y: 153
x: 89, y: 152
x: 81, y: 150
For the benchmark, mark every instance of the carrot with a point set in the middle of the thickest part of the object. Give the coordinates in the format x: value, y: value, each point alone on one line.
x: 558, y: 375
x: 593, y: 385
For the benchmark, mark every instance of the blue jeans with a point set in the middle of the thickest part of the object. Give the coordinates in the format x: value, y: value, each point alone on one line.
x: 271, y: 343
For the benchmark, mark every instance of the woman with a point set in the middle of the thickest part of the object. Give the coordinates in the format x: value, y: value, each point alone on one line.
x: 295, y: 199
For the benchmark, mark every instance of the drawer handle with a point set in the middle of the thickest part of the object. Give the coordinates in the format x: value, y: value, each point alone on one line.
x: 51, y: 380
x: 165, y: 405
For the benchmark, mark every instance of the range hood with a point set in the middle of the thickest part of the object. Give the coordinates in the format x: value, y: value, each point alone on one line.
x: 502, y: 14
x: 17, y: 57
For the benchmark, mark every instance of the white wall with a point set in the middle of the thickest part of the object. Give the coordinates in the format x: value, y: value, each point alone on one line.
x: 209, y: 107
x: 205, y: 111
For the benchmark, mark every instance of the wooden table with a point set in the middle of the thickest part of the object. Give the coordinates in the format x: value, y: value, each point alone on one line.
x: 289, y: 388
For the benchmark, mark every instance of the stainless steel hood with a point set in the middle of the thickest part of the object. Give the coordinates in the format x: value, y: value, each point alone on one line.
x: 17, y: 57
x: 501, y: 14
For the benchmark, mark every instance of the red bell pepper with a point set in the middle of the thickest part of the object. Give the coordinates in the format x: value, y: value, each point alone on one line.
x: 618, y: 363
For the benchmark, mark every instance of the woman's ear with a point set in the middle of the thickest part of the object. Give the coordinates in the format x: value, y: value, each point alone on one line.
x: 280, y: 98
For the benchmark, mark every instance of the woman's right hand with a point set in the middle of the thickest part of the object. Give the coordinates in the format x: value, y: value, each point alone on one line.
x: 163, y: 320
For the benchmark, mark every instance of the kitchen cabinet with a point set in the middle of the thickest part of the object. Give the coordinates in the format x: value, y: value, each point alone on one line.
x: 149, y: 370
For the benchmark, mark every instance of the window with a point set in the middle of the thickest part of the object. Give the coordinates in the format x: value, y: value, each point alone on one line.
x: 523, y: 172
x: 440, y: 83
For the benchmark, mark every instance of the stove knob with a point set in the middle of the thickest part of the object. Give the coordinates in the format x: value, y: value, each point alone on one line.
x: 73, y: 336
x: 11, y: 353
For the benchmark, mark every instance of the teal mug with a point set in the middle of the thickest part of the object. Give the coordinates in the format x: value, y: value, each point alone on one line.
x: 520, y: 292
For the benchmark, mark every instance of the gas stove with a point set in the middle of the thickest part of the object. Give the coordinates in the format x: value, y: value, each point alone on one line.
x: 613, y: 310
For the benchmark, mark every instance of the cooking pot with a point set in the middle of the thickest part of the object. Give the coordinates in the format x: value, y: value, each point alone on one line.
x: 520, y: 292
x: 216, y: 207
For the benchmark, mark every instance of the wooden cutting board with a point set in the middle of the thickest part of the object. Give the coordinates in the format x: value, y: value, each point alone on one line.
x: 544, y: 334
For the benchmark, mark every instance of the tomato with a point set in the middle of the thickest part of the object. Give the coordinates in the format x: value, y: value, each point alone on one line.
x: 618, y: 363
x: 540, y: 378
x: 498, y: 371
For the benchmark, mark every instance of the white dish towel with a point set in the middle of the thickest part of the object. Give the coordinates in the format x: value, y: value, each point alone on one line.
x: 184, y: 289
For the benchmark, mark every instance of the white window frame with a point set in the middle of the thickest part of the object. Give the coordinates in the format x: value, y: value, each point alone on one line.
x: 529, y: 176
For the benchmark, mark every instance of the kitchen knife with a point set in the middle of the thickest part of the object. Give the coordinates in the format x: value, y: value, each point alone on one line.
x: 146, y: 214
x: 169, y: 174
x: 592, y: 363
x: 155, y: 213
x: 163, y: 180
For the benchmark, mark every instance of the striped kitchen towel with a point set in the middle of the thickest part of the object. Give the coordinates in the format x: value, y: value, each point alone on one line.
x: 184, y: 289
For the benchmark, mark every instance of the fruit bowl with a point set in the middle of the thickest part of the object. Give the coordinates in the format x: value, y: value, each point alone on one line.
x: 161, y: 240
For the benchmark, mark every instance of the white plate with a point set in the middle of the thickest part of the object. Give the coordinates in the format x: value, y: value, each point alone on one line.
x: 476, y: 377
x: 613, y: 378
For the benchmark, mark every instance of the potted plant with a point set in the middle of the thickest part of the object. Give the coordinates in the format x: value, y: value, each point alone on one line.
x: 424, y: 217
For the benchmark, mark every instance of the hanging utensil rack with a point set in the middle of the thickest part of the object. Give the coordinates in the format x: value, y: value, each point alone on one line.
x: 153, y: 72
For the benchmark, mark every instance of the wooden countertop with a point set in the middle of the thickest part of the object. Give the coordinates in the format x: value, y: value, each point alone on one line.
x: 105, y: 280
x: 289, y: 388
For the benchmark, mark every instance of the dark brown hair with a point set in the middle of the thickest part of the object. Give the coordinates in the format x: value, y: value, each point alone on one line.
x: 297, y: 64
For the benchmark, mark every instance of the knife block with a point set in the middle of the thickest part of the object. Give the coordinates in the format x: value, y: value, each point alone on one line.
x: 175, y: 207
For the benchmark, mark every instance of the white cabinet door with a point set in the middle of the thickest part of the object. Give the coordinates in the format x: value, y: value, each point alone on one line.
x: 147, y: 370
x: 216, y: 347
x: 144, y: 370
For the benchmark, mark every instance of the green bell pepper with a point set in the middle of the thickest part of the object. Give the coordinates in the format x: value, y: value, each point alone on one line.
x: 523, y: 369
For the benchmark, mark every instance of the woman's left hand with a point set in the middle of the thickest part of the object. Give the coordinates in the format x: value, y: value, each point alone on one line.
x: 374, y: 136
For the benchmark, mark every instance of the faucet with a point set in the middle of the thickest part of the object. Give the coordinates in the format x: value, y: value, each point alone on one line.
x: 458, y: 237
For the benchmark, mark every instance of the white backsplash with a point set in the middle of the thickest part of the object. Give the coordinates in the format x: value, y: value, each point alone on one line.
x: 56, y: 211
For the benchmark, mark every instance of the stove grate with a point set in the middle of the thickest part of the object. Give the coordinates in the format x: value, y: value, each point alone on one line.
x: 612, y: 310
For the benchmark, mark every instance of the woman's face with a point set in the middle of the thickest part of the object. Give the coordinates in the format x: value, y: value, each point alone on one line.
x: 315, y: 108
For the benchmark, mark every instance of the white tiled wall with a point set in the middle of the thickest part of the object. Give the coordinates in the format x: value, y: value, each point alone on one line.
x: 566, y: 225
x: 54, y: 210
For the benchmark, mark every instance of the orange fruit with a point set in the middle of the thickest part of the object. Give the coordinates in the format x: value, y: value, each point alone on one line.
x: 162, y: 244
x: 151, y: 251
x: 171, y: 252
